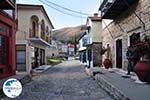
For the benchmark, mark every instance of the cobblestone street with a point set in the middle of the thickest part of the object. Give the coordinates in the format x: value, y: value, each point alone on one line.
x: 66, y: 81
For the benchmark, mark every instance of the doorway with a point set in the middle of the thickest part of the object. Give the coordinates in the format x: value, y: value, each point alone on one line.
x: 21, y: 57
x: 134, y: 37
x: 42, y: 56
x: 119, y: 53
x: 84, y: 56
x: 36, y: 61
x: 89, y: 57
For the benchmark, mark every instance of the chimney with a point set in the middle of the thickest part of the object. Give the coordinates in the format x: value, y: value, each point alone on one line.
x: 95, y: 14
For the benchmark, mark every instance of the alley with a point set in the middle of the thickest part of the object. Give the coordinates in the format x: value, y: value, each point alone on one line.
x: 66, y: 81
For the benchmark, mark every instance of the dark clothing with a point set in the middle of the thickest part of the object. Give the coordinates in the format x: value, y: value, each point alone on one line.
x: 130, y: 66
x: 129, y: 55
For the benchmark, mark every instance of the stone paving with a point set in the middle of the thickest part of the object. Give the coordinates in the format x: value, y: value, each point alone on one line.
x: 66, y: 81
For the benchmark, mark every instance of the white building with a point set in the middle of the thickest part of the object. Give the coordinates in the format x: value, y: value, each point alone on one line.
x: 53, y: 50
x: 71, y: 49
x: 94, y: 41
x: 32, y: 37
x: 82, y: 48
x: 90, y: 43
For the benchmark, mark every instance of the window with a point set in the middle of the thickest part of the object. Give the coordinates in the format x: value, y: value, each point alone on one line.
x: 134, y: 37
x: 9, y: 12
x: 33, y: 29
x: 21, y: 56
x: 43, y: 29
x: 1, y: 71
x: 2, y: 50
x: 3, y: 27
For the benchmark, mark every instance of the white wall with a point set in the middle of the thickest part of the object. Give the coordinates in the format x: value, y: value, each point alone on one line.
x: 24, y: 25
x: 51, y: 51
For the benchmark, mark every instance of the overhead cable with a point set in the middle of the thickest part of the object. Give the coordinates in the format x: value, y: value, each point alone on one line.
x: 66, y: 8
x: 73, y: 15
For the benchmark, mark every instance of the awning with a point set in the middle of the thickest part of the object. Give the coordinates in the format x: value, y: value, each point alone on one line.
x: 41, y: 42
x: 111, y: 9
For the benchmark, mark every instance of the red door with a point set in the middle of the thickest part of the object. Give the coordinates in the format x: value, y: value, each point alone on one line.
x: 3, y: 54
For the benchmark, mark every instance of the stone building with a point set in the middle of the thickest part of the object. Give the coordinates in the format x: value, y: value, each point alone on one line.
x: 129, y: 16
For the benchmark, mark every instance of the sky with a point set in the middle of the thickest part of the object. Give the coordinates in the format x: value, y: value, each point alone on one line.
x: 61, y: 20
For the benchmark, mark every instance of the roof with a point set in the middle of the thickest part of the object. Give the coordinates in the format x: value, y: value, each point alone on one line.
x: 35, y: 6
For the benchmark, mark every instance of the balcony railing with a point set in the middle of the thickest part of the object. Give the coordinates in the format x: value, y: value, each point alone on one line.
x: 43, y: 35
x: 106, y: 3
x: 111, y: 9
x: 33, y: 34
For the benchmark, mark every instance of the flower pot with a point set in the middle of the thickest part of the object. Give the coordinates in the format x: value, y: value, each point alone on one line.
x: 107, y: 63
x: 142, y: 69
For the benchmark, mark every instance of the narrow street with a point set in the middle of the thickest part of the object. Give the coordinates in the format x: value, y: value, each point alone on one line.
x: 66, y: 81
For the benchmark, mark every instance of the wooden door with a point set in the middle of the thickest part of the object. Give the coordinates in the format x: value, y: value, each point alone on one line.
x: 119, y: 53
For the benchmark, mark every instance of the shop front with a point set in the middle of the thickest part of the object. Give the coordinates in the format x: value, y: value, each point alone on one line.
x: 7, y: 38
x: 7, y: 47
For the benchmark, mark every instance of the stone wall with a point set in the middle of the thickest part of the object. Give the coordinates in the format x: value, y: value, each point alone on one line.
x: 97, y: 58
x: 124, y: 26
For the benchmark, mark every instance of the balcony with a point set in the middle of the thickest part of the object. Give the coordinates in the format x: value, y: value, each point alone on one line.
x: 7, y: 4
x: 43, y: 36
x: 33, y: 33
x: 36, y: 40
x: 39, y: 42
x: 111, y: 9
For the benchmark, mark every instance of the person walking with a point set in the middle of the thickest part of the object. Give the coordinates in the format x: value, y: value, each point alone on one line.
x: 129, y: 55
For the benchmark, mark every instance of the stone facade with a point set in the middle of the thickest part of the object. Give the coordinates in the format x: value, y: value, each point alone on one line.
x: 97, y: 58
x: 124, y: 26
x: 94, y: 44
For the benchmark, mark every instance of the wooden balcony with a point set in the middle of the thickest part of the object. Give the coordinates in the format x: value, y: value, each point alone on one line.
x: 7, y: 4
x: 111, y: 9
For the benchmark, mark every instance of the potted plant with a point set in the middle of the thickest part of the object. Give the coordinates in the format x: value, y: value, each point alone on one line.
x: 107, y: 63
x: 141, y: 50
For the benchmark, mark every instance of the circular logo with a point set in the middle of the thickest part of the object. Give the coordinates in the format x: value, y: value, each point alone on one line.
x: 12, y: 88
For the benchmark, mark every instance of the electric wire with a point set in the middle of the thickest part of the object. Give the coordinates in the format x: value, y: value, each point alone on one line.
x: 73, y: 15
x: 67, y: 8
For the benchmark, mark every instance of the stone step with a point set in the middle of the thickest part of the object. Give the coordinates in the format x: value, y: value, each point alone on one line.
x: 111, y: 89
x: 26, y: 79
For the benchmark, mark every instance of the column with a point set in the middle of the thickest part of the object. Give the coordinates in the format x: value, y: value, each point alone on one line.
x: 39, y: 30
